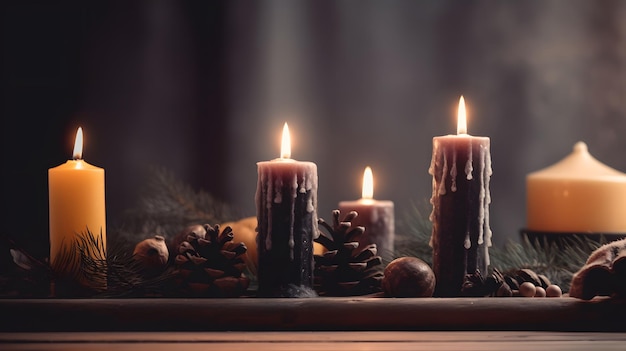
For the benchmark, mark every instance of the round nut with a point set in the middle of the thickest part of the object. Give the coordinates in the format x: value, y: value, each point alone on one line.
x: 540, y: 292
x: 152, y: 253
x: 527, y: 289
x: 554, y: 291
x: 408, y: 277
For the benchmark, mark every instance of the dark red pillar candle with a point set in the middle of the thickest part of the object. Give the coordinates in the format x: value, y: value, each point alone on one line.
x: 286, y: 202
x: 461, y: 235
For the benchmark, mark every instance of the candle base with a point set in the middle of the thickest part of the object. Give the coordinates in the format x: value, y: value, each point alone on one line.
x: 543, y: 238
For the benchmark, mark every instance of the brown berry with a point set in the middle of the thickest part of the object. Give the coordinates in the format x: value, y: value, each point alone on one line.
x: 408, y: 277
x: 152, y: 253
x: 554, y: 291
x: 527, y: 289
x: 540, y: 291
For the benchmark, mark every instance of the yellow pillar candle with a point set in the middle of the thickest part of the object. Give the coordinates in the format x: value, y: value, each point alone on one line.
x: 579, y: 194
x: 76, y: 204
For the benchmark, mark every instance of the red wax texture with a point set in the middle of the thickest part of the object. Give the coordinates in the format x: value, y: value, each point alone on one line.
x: 461, y: 235
x: 286, y: 202
x: 378, y: 219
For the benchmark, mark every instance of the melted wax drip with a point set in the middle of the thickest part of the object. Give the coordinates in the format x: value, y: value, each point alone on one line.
x: 292, y: 191
x: 487, y: 174
x: 431, y: 171
x: 439, y: 188
x: 469, y: 167
x: 453, y: 171
x: 444, y: 171
x: 268, y: 205
x: 274, y: 194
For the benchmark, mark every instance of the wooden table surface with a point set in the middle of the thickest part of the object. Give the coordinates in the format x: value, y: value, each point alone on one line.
x: 354, y: 323
x: 315, y: 341
x: 313, y: 314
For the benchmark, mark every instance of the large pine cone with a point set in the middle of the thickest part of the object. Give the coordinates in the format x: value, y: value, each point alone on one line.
x: 346, y: 269
x: 211, y: 265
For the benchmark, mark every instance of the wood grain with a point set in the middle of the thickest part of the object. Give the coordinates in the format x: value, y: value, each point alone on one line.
x: 309, y: 341
x: 313, y: 314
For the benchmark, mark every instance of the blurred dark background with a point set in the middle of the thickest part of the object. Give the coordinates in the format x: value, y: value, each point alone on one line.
x: 202, y: 88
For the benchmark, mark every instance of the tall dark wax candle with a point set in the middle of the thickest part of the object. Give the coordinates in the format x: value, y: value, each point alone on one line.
x: 461, y: 235
x: 286, y: 203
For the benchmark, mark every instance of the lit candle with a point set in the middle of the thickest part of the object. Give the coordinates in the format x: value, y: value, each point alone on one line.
x: 461, y: 235
x: 579, y: 194
x: 76, y: 205
x: 376, y: 216
x: 286, y: 203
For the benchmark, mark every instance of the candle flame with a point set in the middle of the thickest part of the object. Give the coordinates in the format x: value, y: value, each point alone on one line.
x: 461, y: 126
x: 78, y: 144
x: 285, y: 146
x: 368, y: 184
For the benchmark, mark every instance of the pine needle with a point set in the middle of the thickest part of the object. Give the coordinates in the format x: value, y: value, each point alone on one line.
x: 557, y: 260
x: 167, y: 205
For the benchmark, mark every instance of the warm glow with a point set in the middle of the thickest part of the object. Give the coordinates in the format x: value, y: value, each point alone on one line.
x: 285, y: 146
x: 461, y: 126
x: 368, y: 184
x: 78, y: 144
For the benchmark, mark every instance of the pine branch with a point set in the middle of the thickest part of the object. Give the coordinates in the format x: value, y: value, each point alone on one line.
x: 112, y: 274
x: 167, y: 205
x: 557, y: 260
x: 413, y: 237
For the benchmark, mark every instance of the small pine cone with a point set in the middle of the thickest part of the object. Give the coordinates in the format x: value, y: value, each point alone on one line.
x: 346, y: 269
x: 515, y: 278
x: 211, y: 265
x: 527, y: 275
x: 496, y: 285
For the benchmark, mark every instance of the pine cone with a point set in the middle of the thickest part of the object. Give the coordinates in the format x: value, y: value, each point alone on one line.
x: 211, y: 265
x: 345, y: 269
x: 503, y: 284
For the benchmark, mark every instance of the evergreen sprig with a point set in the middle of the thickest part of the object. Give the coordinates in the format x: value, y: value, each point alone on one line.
x: 166, y: 204
x: 558, y: 259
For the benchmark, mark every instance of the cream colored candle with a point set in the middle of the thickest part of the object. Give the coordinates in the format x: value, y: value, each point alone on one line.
x: 578, y: 194
x: 76, y: 204
x: 376, y: 216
